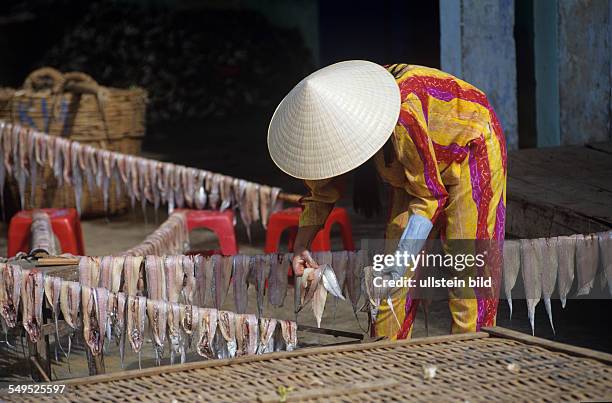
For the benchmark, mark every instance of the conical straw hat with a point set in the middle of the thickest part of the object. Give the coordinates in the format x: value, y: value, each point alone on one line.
x: 334, y: 120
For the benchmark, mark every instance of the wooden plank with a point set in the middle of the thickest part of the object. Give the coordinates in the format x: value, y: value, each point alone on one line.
x: 558, y: 191
x: 330, y: 332
x: 290, y: 197
x: 62, y: 328
x: 41, y: 370
x: 526, y: 219
x: 272, y: 356
x: 95, y: 363
x: 548, y: 344
x: 577, y: 163
x: 605, y: 147
x: 318, y: 393
x: 56, y: 261
x: 576, y: 194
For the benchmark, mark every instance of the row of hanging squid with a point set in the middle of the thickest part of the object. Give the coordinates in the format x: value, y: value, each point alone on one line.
x: 24, y: 153
x: 206, y: 281
x: 546, y: 262
x: 104, y: 315
x: 170, y: 238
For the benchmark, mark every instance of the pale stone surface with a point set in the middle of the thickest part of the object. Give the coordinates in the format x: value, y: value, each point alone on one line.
x: 585, y: 88
x: 477, y: 45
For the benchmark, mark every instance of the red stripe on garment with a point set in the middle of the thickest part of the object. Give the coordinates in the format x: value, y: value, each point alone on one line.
x: 499, y: 133
x: 411, y: 311
x: 420, y: 139
x: 448, y: 88
x: 450, y: 153
x: 414, y: 85
x: 482, y: 193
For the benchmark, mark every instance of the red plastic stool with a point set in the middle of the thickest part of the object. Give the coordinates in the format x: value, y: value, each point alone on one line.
x: 289, y: 219
x: 220, y: 222
x: 64, y: 222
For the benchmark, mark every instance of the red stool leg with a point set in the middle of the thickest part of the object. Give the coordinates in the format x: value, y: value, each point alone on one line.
x: 227, y: 239
x: 291, y: 241
x: 221, y: 223
x: 321, y: 241
x: 289, y: 218
x: 75, y: 222
x: 79, y: 236
x: 277, y: 223
x: 273, y: 235
x: 67, y: 228
x: 19, y: 234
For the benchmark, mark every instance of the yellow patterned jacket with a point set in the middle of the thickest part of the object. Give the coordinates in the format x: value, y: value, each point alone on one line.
x: 448, y: 142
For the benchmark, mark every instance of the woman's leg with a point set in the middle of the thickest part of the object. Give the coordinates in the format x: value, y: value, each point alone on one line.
x: 386, y: 324
x: 405, y: 304
x: 476, y: 211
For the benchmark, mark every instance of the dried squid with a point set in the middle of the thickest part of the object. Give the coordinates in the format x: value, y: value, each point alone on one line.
x: 549, y: 272
x: 95, y: 311
x: 157, y: 311
x: 136, y: 309
x: 512, y: 265
x: 531, y: 264
x: 52, y: 293
x: 246, y: 334
x: 10, y: 292
x: 32, y: 295
x: 207, y: 329
x: 587, y: 261
x: 267, y: 327
x: 289, y: 334
x: 227, y: 326
x: 89, y: 271
x: 156, y: 279
x: 241, y: 275
x: 70, y: 301
x: 566, y: 259
x: 278, y: 278
x: 221, y: 279
x: 132, y: 266
x: 174, y: 332
x: 605, y: 254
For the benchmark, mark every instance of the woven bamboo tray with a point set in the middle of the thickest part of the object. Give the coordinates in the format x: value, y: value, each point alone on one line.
x: 470, y: 367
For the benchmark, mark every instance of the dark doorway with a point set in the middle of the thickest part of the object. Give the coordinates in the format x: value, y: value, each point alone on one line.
x: 389, y: 31
x: 525, y: 73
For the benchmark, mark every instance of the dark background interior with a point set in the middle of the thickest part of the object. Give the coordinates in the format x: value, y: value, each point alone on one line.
x: 215, y: 71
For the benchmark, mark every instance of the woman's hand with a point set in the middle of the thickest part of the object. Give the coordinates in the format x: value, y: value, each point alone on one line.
x: 301, y: 261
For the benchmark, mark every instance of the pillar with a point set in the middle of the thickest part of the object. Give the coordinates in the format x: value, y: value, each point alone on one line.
x: 477, y: 45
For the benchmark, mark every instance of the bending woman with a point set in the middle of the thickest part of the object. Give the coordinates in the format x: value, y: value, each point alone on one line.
x: 434, y: 139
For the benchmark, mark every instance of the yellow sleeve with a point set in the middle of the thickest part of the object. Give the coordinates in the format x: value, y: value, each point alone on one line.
x: 416, y: 154
x: 319, y: 203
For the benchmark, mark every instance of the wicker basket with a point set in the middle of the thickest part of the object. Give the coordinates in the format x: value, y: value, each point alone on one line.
x: 73, y: 105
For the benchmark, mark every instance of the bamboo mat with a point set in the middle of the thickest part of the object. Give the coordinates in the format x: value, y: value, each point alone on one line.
x: 496, y: 365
